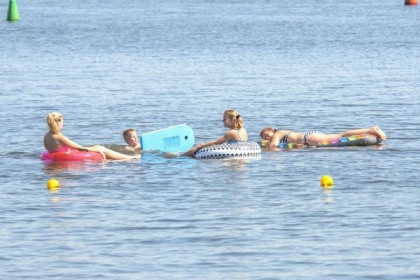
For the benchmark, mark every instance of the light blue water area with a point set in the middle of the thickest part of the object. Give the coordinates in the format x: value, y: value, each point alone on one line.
x: 305, y: 65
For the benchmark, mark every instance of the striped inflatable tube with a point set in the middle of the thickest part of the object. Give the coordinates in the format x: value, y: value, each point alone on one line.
x: 237, y: 150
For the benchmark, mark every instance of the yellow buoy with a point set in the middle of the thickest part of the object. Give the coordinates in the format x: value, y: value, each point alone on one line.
x: 327, y: 181
x: 53, y: 185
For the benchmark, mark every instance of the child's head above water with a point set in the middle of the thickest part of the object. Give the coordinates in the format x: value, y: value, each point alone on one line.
x: 53, y: 120
x: 130, y: 137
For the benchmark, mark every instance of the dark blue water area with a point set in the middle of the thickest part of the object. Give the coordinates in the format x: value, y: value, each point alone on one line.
x: 324, y: 65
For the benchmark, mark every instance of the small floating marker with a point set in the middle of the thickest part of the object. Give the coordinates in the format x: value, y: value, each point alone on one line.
x: 411, y: 2
x: 53, y: 185
x: 327, y: 182
x: 13, y: 13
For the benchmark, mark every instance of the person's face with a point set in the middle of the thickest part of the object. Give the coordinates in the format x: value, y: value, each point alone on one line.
x: 131, y: 139
x: 267, y: 135
x: 227, y: 120
x: 60, y: 122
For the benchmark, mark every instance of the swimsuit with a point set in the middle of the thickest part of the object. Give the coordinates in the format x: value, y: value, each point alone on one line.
x: 62, y: 149
x: 305, y: 136
x: 231, y: 141
x: 284, y: 139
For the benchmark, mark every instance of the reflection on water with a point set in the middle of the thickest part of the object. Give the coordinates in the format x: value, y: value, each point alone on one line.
x: 235, y: 164
x: 55, y: 199
x: 55, y: 168
x: 328, y: 196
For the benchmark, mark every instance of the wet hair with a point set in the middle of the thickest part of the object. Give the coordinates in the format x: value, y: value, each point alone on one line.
x: 53, y: 120
x: 127, y: 131
x: 238, y: 121
x: 266, y: 129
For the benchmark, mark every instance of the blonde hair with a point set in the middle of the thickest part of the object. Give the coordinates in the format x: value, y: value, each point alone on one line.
x: 238, y: 121
x: 53, y: 120
x: 266, y: 129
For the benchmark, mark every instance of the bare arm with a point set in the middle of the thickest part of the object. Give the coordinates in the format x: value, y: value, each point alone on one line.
x: 228, y: 136
x: 63, y: 140
x: 193, y: 150
x: 221, y: 140
x: 274, y: 142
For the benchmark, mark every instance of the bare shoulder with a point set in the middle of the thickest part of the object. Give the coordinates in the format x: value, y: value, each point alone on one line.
x: 49, y: 137
x: 279, y: 133
x: 59, y: 136
x: 59, y: 139
x: 230, y: 134
x: 244, y: 134
x: 51, y: 142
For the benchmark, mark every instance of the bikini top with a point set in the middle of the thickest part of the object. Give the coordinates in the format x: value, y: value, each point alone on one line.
x: 285, y: 137
x: 231, y: 141
x: 305, y: 136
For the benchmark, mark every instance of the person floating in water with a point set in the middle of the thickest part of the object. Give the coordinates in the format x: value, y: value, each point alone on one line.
x: 312, y: 138
x: 55, y: 141
x: 235, y: 134
x: 131, y: 138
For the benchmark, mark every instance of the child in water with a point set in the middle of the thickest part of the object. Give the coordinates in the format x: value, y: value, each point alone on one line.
x: 313, y: 137
x: 130, y: 137
x: 55, y: 141
x: 236, y: 132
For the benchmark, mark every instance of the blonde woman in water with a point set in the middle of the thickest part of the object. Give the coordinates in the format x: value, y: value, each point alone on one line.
x: 236, y: 132
x: 55, y: 141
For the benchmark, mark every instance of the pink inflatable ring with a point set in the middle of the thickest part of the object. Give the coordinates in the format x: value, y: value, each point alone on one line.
x: 69, y: 154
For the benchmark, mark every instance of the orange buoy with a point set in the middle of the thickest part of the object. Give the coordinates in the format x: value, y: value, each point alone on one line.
x: 411, y: 2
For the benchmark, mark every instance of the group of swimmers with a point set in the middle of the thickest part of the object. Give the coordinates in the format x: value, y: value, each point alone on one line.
x: 55, y: 141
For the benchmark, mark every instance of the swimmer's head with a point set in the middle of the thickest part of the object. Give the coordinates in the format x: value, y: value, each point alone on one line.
x: 266, y: 133
x: 130, y: 137
x: 236, y: 119
x: 54, y: 121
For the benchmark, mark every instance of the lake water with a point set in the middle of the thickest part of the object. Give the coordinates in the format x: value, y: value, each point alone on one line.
x: 303, y: 65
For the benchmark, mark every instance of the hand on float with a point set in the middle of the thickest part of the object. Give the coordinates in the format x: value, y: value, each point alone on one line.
x: 97, y: 149
x: 198, y: 147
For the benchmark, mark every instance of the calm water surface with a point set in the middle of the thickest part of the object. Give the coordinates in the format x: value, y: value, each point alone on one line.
x: 327, y: 66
